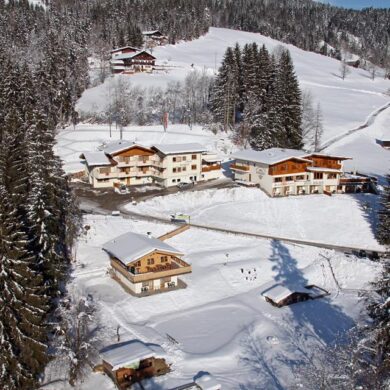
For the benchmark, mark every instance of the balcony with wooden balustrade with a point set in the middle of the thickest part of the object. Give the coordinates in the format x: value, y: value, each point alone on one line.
x: 174, y: 268
x: 239, y: 167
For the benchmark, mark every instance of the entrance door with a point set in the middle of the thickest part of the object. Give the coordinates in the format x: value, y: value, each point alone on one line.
x: 250, y: 177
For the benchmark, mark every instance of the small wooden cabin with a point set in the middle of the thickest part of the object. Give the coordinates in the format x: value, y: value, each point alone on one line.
x: 132, y: 361
x: 279, y: 295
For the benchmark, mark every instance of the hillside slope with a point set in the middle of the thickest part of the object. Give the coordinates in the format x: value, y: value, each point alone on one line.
x: 345, y: 103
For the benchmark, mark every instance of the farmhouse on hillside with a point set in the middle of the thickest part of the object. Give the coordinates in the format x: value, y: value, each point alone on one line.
x: 154, y: 38
x: 128, y: 163
x: 282, y: 172
x: 143, y: 264
x: 132, y: 361
x: 129, y: 59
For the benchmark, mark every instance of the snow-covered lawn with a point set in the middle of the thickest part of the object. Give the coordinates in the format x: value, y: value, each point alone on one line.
x: 345, y: 103
x: 221, y: 315
x: 71, y: 143
x: 367, y: 155
x: 340, y: 219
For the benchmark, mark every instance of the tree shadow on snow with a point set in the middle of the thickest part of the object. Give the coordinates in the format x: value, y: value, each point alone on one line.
x: 319, y: 322
x: 369, y: 205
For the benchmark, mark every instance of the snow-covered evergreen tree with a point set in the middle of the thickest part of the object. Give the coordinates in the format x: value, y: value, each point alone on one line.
x: 383, y: 230
x: 290, y: 103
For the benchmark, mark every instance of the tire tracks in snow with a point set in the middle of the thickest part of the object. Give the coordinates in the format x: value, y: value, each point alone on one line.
x: 368, y: 122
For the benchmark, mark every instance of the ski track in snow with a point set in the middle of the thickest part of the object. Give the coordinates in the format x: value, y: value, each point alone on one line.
x: 368, y: 122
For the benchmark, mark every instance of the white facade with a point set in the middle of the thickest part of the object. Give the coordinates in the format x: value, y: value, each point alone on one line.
x: 166, y: 165
x: 256, y: 168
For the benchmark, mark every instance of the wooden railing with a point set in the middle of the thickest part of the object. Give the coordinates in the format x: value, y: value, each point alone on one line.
x: 184, y: 268
x: 209, y: 168
x: 239, y: 167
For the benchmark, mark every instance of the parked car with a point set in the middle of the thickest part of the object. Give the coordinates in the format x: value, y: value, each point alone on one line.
x: 122, y: 189
x: 116, y: 213
x: 183, y: 185
x: 180, y: 218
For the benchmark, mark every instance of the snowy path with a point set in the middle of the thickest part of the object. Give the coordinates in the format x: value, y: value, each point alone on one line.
x: 368, y: 122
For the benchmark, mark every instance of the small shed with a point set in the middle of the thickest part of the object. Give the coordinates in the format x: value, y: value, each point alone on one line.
x: 279, y: 295
x: 384, y: 142
x: 132, y: 361
x: 208, y: 382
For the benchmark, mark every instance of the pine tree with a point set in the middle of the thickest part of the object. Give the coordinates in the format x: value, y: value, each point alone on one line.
x: 23, y: 307
x: 225, y: 91
x: 290, y: 103
x: 383, y: 230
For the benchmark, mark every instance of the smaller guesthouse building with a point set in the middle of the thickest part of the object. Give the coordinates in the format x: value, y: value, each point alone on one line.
x: 132, y: 61
x: 144, y: 265
x: 131, y: 361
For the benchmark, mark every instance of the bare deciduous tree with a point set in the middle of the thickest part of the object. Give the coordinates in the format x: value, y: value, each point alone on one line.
x: 344, y: 69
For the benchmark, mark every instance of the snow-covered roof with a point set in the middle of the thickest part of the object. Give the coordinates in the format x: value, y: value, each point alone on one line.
x: 131, y: 55
x: 151, y: 32
x: 211, y: 157
x: 180, y: 148
x: 208, y: 382
x: 278, y: 292
x: 117, y: 146
x: 320, y: 169
x: 326, y: 155
x: 123, y: 48
x: 95, y: 158
x: 131, y: 246
x: 269, y: 156
x: 129, y: 353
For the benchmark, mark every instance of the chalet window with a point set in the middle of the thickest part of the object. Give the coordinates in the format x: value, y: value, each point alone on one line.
x: 184, y: 158
x: 193, y: 157
x: 174, y: 170
x: 318, y: 175
x: 138, y: 264
x: 173, y: 180
x: 150, y: 261
x: 193, y: 167
x: 289, y: 178
x: 164, y: 259
x: 184, y: 169
x: 277, y: 180
x: 178, y: 180
x: 179, y: 169
x: 300, y: 177
x: 332, y: 176
x: 174, y: 159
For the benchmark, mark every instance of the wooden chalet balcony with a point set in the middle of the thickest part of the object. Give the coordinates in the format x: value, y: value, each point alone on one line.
x: 209, y: 168
x: 239, y: 167
x: 178, y: 267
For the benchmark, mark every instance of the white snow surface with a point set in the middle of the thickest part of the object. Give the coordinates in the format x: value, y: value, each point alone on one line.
x: 131, y: 246
x: 345, y: 103
x: 87, y: 137
x: 367, y: 156
x: 221, y: 315
x: 339, y: 220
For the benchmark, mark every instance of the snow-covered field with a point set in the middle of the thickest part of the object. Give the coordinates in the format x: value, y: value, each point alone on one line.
x: 367, y: 155
x: 71, y: 143
x: 339, y: 220
x: 345, y: 103
x: 221, y: 316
